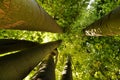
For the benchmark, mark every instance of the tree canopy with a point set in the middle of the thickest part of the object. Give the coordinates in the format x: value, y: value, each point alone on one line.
x: 93, y: 58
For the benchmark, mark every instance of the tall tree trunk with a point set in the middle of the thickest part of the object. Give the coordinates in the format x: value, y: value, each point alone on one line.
x: 8, y: 45
x: 26, y: 15
x: 108, y: 25
x: 67, y: 73
x: 17, y: 66
x: 47, y: 72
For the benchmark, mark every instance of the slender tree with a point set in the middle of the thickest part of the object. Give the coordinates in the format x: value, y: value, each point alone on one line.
x: 17, y: 66
x: 67, y: 73
x: 47, y: 72
x: 8, y: 45
x: 108, y: 25
x: 26, y: 15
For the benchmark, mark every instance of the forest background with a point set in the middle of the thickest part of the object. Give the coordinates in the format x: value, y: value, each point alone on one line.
x: 93, y: 58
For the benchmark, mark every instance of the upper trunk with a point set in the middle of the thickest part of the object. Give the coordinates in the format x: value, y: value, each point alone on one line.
x: 67, y: 73
x: 47, y: 72
x: 108, y: 25
x: 26, y: 15
x: 17, y: 66
x: 8, y: 45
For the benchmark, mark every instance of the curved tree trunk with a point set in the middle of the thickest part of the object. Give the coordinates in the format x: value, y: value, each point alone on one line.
x: 67, y: 73
x: 25, y: 15
x: 47, y: 72
x: 108, y: 25
x: 8, y: 45
x: 17, y: 66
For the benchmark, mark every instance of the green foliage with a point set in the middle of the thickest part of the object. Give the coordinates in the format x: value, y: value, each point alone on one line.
x: 105, y: 6
x: 104, y: 57
x: 65, y: 12
x: 22, y: 35
x: 93, y: 58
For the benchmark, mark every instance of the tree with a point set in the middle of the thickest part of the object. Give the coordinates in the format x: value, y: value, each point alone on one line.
x: 98, y: 48
x: 8, y: 45
x: 64, y: 12
x: 16, y: 66
x: 26, y: 15
x: 106, y: 26
x: 67, y: 73
x: 47, y: 72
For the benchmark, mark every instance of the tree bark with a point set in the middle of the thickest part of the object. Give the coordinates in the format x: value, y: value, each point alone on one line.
x: 17, y: 66
x: 26, y: 15
x: 47, y: 72
x: 67, y: 73
x: 8, y: 45
x: 108, y: 25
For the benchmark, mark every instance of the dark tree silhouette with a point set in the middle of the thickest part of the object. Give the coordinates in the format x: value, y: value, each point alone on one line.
x: 67, y: 73
x: 17, y: 66
x: 47, y: 72
x: 8, y: 45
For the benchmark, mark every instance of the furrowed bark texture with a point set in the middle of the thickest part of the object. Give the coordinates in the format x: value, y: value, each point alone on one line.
x: 47, y: 72
x: 8, y: 45
x: 17, y: 66
x: 108, y: 25
x: 26, y: 15
x: 67, y: 73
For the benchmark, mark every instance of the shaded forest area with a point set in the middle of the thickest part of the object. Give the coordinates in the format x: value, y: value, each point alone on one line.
x: 93, y: 58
